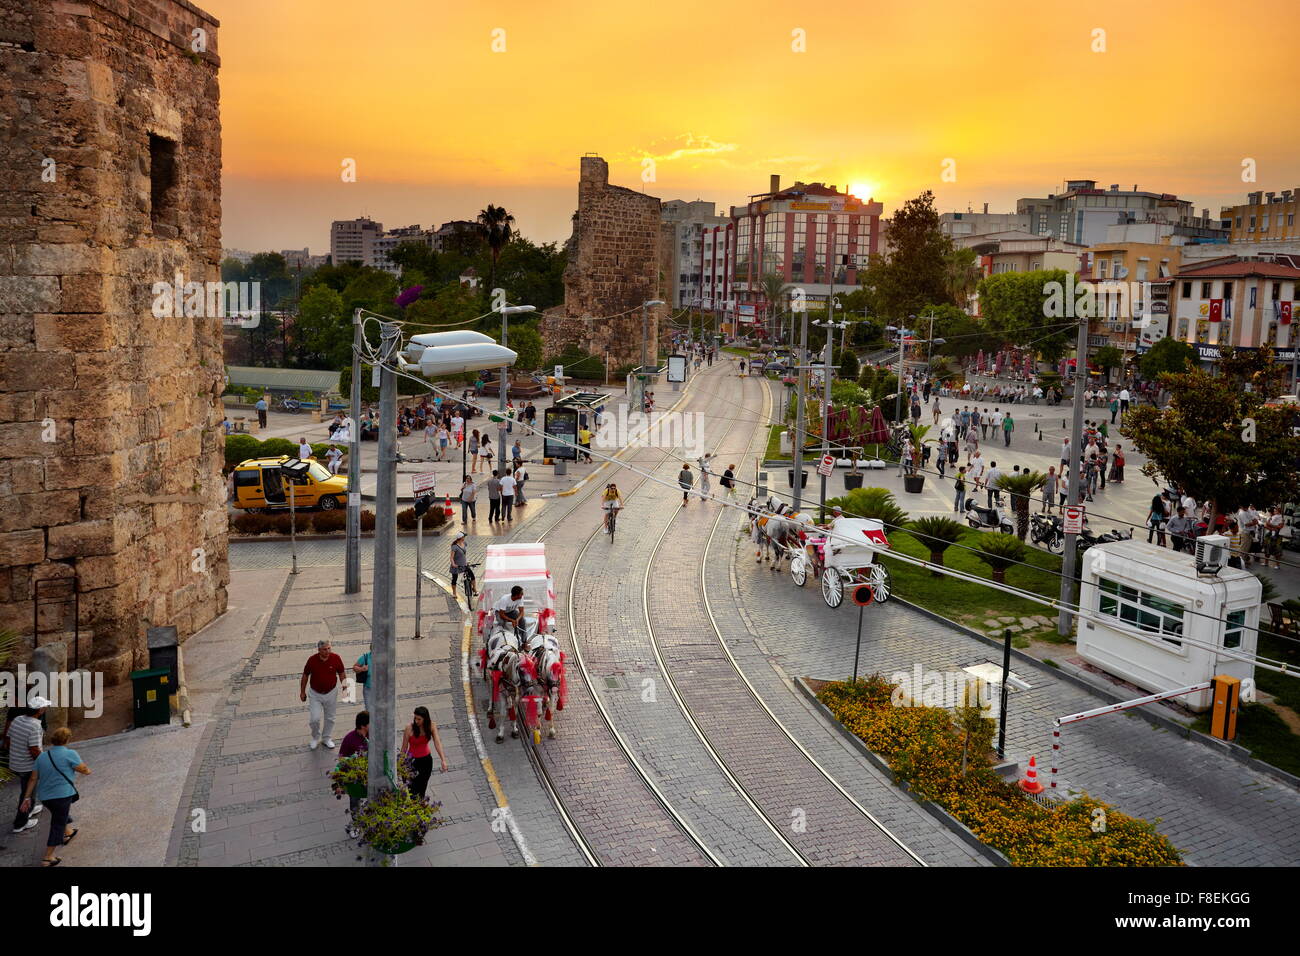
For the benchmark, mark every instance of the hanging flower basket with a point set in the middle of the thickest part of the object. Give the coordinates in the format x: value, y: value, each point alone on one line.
x: 789, y: 382
x: 351, y: 774
x: 394, y: 822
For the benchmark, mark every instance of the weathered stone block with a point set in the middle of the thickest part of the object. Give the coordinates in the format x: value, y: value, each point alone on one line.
x: 22, y: 547
x: 33, y: 371
x: 104, y: 536
x: 78, y: 333
x: 29, y: 294
x: 26, y: 512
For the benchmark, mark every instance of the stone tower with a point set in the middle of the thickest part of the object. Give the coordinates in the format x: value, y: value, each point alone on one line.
x: 110, y: 391
x: 614, y: 265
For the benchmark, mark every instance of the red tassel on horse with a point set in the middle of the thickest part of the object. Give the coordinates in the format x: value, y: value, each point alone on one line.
x: 564, y: 683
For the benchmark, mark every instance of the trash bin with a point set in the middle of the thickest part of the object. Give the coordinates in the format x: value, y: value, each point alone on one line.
x: 561, y: 466
x: 164, y: 651
x: 803, y: 478
x: 852, y: 480
x: 152, y: 690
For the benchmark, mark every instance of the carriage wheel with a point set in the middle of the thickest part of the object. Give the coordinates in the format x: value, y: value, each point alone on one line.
x: 832, y: 587
x: 799, y: 570
x: 881, y: 582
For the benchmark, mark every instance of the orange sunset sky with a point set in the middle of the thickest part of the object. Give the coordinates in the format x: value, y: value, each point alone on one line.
x: 440, y: 125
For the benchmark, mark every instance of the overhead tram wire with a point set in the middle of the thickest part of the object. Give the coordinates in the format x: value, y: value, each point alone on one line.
x: 1031, y: 596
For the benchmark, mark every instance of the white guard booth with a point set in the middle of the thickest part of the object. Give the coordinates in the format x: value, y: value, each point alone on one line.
x: 1150, y: 594
x: 525, y: 565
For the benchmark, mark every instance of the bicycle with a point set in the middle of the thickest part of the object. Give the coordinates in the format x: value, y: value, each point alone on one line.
x: 467, y: 582
x: 611, y: 521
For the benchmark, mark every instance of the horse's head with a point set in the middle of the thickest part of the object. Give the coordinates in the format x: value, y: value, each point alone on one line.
x: 528, y: 668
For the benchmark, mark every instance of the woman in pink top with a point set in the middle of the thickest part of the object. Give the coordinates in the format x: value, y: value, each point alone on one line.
x: 415, y: 742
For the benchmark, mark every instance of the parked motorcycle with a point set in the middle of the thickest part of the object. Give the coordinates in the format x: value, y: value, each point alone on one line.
x: 1087, y: 539
x: 1048, y: 531
x: 978, y: 517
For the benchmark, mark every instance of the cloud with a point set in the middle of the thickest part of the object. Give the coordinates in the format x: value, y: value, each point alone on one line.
x: 692, y: 147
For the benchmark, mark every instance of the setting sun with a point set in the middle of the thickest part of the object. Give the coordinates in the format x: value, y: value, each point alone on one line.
x: 864, y: 189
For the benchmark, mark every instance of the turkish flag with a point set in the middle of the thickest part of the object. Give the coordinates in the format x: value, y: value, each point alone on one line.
x: 1284, y: 313
x: 1216, y: 310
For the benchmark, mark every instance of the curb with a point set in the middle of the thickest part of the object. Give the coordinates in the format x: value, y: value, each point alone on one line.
x: 1155, y: 718
x: 336, y: 536
x: 963, y: 832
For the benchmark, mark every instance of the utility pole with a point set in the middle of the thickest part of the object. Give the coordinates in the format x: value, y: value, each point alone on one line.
x: 645, y: 335
x: 802, y: 360
x: 826, y: 405
x: 506, y: 312
x: 352, y: 573
x: 1071, y: 556
x: 383, y: 633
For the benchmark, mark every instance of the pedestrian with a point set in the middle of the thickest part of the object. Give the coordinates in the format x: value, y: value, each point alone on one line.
x: 705, y: 462
x: 520, y: 476
x: 1049, y: 490
x: 362, y: 669
x: 1117, y: 465
x: 355, y: 742
x: 304, y: 449
x: 1180, y: 529
x: 685, y: 481
x: 494, y: 496
x: 993, y: 493
x: 972, y: 443
x: 959, y: 487
x: 50, y: 785
x: 415, y: 744
x: 459, y: 560
x: 1008, y: 425
x: 485, y: 452
x: 742, y: 367
x: 508, y: 484
x: 473, y: 452
x: 261, y: 407
x: 937, y: 413
x: 729, y: 481
x: 584, y: 443
x: 975, y: 470
x: 334, y: 457
x: 980, y: 421
x: 441, y: 435
x: 1273, y: 526
x: 24, y: 735
x: 1248, y: 522
x: 468, y: 494
x: 1156, y: 519
x: 1124, y: 398
x: 517, y: 455
x: 458, y: 428
x: 941, y: 462
x: 1237, y: 545
x: 324, y: 672
x: 916, y: 411
x: 1065, y: 454
x: 1114, y: 409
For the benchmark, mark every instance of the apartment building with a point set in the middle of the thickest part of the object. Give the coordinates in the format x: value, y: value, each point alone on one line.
x: 689, y: 221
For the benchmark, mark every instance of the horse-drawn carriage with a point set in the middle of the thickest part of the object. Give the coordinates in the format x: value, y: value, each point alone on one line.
x: 523, y: 662
x: 844, y: 557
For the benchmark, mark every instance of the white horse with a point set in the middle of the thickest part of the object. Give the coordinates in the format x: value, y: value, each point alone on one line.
x: 775, y: 529
x: 551, y: 678
x: 508, y: 667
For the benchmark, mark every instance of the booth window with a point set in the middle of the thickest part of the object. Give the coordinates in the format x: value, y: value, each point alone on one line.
x: 1236, y: 625
x: 1146, y: 612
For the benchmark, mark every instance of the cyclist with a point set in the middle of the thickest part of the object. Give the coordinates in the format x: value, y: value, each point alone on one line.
x: 459, y: 563
x: 610, y: 503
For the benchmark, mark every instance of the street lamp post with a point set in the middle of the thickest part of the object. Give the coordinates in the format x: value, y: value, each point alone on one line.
x: 506, y: 312
x: 645, y: 335
x: 831, y: 326
x: 352, y: 560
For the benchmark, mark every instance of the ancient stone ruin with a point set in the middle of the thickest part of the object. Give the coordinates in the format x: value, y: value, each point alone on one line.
x: 615, y: 264
x: 111, y: 497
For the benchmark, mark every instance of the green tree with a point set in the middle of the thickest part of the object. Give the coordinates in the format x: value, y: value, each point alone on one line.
x: 999, y: 552
x: 848, y: 363
x: 496, y: 225
x: 1167, y: 355
x: 527, y: 341
x: 1021, y: 487
x: 531, y: 274
x: 913, y: 275
x: 938, y: 534
x: 1014, y: 306
x: 269, y: 269
x: 961, y: 275
x: 878, y: 503
x: 1219, y: 439
x: 232, y: 270
x: 323, y: 331
x: 1107, y: 357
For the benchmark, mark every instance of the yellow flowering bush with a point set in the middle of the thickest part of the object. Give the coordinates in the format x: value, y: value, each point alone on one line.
x: 924, y: 746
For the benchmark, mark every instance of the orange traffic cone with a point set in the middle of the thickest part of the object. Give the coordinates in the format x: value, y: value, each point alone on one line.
x: 446, y: 507
x: 1030, y: 782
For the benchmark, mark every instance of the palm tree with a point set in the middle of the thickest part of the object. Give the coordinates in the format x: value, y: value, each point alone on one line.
x: 937, y: 534
x: 875, y: 503
x: 961, y: 273
x: 999, y: 552
x: 773, y: 286
x: 495, y: 224
x: 1021, y: 487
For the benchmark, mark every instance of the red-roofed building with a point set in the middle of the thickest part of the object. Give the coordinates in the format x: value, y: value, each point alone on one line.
x: 1245, y: 303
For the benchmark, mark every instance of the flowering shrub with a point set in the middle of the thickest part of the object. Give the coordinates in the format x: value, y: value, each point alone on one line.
x: 925, y: 746
x: 393, y: 821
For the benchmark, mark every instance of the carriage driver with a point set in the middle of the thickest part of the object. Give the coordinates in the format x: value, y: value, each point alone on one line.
x: 836, y: 512
x: 509, y: 609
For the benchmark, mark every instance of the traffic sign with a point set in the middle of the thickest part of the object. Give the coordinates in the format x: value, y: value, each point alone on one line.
x: 423, y: 484
x: 826, y: 466
x: 1074, y: 517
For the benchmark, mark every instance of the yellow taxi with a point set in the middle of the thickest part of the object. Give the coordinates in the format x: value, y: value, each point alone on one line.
x: 261, y: 486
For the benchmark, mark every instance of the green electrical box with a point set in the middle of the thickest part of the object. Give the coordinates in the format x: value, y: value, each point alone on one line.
x: 152, y: 690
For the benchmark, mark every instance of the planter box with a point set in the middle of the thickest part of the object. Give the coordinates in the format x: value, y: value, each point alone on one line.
x: 852, y: 480
x: 803, y: 478
x: 913, y: 484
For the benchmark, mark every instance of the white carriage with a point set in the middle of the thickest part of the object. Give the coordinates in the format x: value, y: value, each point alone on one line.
x: 507, y: 565
x: 843, y: 558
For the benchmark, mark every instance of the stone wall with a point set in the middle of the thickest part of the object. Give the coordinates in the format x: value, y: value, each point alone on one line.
x: 110, y: 443
x: 614, y: 266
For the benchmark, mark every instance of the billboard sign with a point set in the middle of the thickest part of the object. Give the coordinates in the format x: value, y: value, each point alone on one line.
x: 676, y: 368
x: 561, y: 433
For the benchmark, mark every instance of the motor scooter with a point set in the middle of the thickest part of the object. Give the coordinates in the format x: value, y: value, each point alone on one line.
x: 980, y: 517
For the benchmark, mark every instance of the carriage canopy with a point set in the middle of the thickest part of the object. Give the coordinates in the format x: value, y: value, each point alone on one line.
x: 846, y: 553
x: 507, y: 565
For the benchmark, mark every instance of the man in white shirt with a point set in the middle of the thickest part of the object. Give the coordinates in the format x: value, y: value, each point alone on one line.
x: 1248, y: 522
x: 995, y: 422
x: 458, y: 429
x: 975, y: 470
x: 1123, y: 401
x: 1189, y: 504
x: 994, y: 495
x: 508, y: 496
x: 304, y: 449
x: 334, y: 456
x: 509, y: 608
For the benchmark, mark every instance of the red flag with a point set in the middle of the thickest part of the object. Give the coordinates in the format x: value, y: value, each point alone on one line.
x: 1284, y: 313
x: 1216, y: 310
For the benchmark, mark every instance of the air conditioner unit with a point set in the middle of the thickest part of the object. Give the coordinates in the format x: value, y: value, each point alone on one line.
x: 1211, y: 553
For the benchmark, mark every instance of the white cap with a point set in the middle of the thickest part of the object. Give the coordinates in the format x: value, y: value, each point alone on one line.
x: 37, y: 702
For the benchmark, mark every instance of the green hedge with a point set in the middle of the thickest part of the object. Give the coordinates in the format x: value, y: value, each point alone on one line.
x: 243, y: 447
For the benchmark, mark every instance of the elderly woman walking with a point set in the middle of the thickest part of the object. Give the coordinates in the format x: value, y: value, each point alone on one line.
x: 685, y: 481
